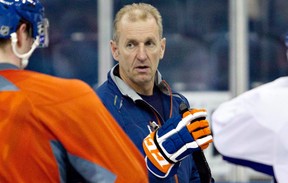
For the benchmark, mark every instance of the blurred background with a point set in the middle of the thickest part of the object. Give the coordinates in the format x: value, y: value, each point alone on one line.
x: 216, y: 49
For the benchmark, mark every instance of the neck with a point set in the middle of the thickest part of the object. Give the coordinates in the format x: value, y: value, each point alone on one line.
x: 147, y: 91
x: 144, y: 88
x: 7, y: 56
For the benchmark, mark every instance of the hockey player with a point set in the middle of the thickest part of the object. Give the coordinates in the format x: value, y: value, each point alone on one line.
x: 251, y: 129
x: 52, y: 129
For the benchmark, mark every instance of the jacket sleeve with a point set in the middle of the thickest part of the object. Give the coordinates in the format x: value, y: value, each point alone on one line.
x: 238, y: 133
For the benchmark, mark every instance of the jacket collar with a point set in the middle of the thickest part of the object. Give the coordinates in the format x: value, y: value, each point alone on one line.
x: 128, y: 91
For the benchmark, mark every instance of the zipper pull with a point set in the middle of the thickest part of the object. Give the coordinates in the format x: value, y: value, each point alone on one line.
x: 153, y: 126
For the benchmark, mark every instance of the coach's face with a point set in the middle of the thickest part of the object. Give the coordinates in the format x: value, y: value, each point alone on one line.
x: 138, y: 52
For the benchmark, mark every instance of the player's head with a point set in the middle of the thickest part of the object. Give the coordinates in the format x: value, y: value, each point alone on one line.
x: 13, y: 13
x: 137, y: 11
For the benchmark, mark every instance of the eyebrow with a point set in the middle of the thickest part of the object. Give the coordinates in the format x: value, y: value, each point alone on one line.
x: 146, y: 40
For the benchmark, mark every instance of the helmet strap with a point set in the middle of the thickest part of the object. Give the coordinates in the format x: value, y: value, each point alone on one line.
x: 25, y: 56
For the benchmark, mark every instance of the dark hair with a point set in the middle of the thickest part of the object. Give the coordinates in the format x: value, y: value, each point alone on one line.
x: 3, y: 41
x: 29, y: 30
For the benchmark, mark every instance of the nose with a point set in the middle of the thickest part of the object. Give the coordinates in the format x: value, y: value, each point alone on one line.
x: 142, y: 54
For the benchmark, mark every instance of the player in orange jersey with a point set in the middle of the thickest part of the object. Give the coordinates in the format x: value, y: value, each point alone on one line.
x: 49, y: 128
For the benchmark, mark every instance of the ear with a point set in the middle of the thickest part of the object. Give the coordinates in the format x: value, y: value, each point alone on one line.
x: 114, y: 50
x: 21, y: 34
x: 163, y: 46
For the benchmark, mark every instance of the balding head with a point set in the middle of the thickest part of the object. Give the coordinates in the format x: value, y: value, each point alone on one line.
x: 137, y: 12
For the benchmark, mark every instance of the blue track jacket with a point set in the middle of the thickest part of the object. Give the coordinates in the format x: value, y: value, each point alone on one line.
x: 134, y: 114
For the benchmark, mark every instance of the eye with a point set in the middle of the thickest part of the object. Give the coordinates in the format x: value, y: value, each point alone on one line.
x: 130, y: 45
x: 150, y: 43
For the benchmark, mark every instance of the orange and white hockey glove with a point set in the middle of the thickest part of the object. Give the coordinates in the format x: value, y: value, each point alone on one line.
x: 179, y: 137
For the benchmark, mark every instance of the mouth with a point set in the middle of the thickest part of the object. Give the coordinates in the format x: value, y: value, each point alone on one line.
x: 142, y: 68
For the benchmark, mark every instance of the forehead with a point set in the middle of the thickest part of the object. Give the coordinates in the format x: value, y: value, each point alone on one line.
x: 140, y: 28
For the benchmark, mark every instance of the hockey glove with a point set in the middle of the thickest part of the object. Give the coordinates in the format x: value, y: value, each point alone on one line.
x: 176, y: 139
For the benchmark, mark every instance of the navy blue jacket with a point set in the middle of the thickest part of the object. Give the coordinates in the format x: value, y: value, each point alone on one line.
x: 134, y: 114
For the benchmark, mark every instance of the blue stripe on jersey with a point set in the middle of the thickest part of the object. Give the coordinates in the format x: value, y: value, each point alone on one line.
x: 91, y: 171
x: 267, y: 169
x: 6, y: 85
x: 60, y: 155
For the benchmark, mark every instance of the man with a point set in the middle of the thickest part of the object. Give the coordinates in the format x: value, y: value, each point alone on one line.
x: 52, y: 129
x: 251, y: 129
x: 142, y: 102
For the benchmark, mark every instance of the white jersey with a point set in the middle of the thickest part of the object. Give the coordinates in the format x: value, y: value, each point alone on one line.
x: 254, y: 127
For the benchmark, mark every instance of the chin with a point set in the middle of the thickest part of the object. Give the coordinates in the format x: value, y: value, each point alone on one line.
x: 144, y: 80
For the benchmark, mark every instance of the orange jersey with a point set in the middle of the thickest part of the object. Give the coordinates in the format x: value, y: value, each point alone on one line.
x: 46, y: 122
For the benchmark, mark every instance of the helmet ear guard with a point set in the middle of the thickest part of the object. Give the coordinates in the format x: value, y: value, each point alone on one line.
x: 42, y: 33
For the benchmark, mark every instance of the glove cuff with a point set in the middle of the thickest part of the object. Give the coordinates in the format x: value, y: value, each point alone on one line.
x: 156, y: 172
x: 155, y: 156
